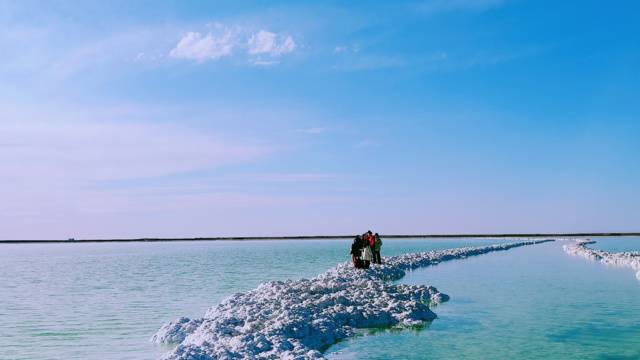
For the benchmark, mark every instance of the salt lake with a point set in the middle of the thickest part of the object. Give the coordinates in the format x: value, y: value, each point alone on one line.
x: 104, y: 301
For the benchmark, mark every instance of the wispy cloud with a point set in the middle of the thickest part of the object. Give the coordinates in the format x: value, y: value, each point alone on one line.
x: 340, y: 49
x: 313, y: 130
x: 259, y: 62
x: 286, y: 177
x: 364, y: 62
x: 55, y: 56
x: 268, y: 43
x: 52, y: 162
x: 76, y: 150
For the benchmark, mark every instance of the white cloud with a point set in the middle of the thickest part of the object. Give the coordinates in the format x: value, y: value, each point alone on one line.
x: 268, y: 43
x: 198, y: 47
x: 262, y: 47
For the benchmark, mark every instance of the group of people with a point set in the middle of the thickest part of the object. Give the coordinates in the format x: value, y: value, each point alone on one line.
x: 365, y: 250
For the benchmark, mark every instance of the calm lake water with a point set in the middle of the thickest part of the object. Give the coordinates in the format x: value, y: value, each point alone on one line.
x: 617, y: 243
x: 104, y: 301
x: 534, y: 302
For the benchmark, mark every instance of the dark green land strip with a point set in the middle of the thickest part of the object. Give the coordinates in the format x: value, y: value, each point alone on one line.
x: 416, y: 236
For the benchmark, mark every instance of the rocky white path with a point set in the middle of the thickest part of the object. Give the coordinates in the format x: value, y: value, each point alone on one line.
x: 623, y: 259
x: 299, y: 319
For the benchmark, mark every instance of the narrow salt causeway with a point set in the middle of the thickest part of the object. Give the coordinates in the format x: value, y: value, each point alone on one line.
x: 299, y: 319
x: 623, y: 259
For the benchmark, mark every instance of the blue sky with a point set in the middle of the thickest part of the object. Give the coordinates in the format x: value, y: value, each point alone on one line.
x: 197, y: 118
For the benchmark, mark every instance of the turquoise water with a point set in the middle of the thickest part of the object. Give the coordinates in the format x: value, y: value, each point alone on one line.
x: 104, y: 301
x: 528, y: 303
x: 617, y: 244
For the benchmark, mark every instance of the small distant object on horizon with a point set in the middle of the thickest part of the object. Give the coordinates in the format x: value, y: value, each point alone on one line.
x: 71, y: 239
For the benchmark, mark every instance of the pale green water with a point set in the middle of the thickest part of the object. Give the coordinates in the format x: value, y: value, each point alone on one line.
x: 617, y: 244
x: 528, y: 303
x: 104, y: 301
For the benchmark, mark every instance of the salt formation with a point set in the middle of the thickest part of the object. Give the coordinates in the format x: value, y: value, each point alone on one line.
x: 623, y: 259
x: 299, y: 319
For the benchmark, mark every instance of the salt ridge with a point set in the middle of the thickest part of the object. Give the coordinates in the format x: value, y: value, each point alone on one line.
x: 299, y: 319
x: 623, y: 259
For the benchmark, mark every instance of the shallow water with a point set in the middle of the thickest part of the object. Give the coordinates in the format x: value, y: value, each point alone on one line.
x: 528, y: 303
x: 104, y: 301
x: 617, y: 243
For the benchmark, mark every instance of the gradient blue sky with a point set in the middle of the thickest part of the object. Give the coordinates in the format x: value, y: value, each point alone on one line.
x: 196, y: 118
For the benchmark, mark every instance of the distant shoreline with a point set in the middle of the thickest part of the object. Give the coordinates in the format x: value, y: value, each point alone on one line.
x: 306, y: 237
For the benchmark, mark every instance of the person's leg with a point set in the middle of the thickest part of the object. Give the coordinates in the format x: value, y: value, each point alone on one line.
x: 377, y: 257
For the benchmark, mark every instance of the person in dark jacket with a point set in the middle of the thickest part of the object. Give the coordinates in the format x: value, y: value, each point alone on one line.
x: 377, y: 246
x: 356, y: 252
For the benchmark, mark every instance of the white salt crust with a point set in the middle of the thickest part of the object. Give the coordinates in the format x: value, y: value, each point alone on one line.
x: 299, y: 319
x: 622, y: 259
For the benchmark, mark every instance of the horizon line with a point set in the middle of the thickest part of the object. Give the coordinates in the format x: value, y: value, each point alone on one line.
x: 310, y: 237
